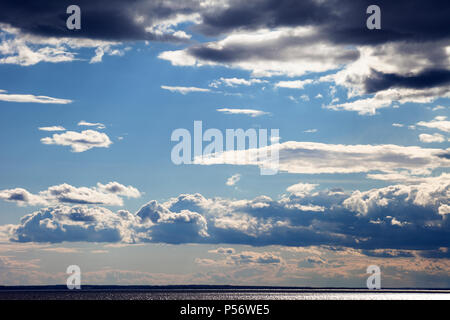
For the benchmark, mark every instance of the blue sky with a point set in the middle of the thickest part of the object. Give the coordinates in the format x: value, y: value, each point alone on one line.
x: 364, y: 138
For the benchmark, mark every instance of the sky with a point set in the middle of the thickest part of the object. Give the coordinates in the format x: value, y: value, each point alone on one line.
x: 87, y: 115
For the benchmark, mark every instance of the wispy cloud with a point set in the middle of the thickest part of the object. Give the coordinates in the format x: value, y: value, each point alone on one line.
x: 234, y: 82
x: 438, y: 108
x: 295, y: 84
x: 185, y: 90
x: 89, y: 124
x: 29, y: 98
x: 52, y: 128
x: 249, y: 112
x: 315, y: 158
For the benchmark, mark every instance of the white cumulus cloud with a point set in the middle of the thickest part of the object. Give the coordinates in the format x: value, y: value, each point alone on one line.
x: 430, y: 138
x: 79, y: 141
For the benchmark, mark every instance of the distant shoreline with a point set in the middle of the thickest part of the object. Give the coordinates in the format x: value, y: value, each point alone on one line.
x: 209, y: 288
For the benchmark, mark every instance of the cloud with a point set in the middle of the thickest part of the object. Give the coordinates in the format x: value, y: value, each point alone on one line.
x: 400, y: 63
x: 310, y: 131
x: 30, y: 43
x: 231, y: 181
x: 109, y: 194
x: 386, y: 253
x: 79, y: 141
x: 29, y: 98
x: 444, y: 209
x: 250, y: 257
x: 342, y: 21
x: 296, y: 84
x: 314, y: 265
x: 297, y: 53
x: 336, y: 266
x: 225, y: 251
x: 304, y: 97
x: 62, y: 250
x: 105, y: 27
x: 52, y: 128
x: 311, y: 262
x: 22, y: 197
x: 397, y: 72
x: 10, y: 263
x: 104, y: 20
x: 160, y: 224
x: 119, y: 189
x: 430, y: 138
x: 250, y: 112
x: 315, y: 158
x: 234, y: 82
x: 77, y: 223
x: 107, y: 49
x: 439, y: 123
x: 397, y: 217
x: 386, y: 98
x: 89, y: 124
x: 301, y: 189
x: 438, y: 108
x: 398, y: 125
x: 425, y: 79
x: 17, y: 47
x: 185, y: 90
x: 155, y: 20
x: 403, y: 176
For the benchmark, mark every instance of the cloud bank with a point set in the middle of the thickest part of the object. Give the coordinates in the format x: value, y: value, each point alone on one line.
x: 401, y: 216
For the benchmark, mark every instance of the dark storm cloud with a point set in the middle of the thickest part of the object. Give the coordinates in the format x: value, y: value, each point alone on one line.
x: 414, y: 36
x: 252, y: 15
x: 343, y: 21
x: 104, y: 19
x: 427, y: 79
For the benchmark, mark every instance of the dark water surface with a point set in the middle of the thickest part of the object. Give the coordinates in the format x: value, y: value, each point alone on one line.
x: 223, y: 294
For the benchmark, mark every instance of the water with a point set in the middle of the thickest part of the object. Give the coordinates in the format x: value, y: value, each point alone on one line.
x: 261, y: 294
